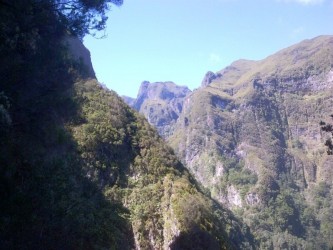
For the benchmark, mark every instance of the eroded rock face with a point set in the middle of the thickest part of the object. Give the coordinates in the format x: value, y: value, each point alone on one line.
x: 251, y: 136
x: 209, y: 77
x: 161, y: 103
x: 80, y: 53
x: 234, y: 197
x: 252, y: 199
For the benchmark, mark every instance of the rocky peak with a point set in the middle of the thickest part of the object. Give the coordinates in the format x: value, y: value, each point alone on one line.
x: 209, y: 77
x: 162, y: 90
x: 143, y: 88
x: 158, y: 91
x: 161, y: 103
x: 252, y: 135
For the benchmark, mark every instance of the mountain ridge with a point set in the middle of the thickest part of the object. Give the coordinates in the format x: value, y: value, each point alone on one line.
x: 79, y: 168
x: 250, y: 135
x: 165, y: 98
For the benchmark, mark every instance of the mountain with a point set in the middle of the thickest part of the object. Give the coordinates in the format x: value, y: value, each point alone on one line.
x: 129, y: 100
x: 209, y: 77
x: 80, y: 54
x: 251, y: 136
x: 80, y: 169
x: 161, y: 103
x: 134, y: 168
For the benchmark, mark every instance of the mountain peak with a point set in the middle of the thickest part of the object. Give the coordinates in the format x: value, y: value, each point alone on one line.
x: 312, y: 57
x: 159, y: 91
x: 251, y: 137
x: 208, y: 78
x: 161, y: 103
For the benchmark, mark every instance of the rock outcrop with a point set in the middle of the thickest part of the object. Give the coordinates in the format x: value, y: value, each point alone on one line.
x: 209, y: 77
x: 80, y: 53
x: 251, y: 136
x: 161, y: 103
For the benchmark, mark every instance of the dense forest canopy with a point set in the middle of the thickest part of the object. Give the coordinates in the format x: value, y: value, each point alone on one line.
x: 47, y: 200
x: 79, y: 169
x: 79, y: 17
x: 251, y: 136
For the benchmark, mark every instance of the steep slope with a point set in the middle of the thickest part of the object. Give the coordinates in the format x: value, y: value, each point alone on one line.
x: 161, y: 103
x: 79, y: 168
x: 135, y: 168
x: 251, y: 135
x: 253, y: 138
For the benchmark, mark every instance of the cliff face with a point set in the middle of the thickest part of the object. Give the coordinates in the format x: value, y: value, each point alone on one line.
x: 161, y: 103
x: 80, y: 53
x: 251, y: 135
x: 80, y: 169
x: 133, y: 167
x: 209, y: 77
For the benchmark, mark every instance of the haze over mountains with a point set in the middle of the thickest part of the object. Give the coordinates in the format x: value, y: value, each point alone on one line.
x: 251, y: 136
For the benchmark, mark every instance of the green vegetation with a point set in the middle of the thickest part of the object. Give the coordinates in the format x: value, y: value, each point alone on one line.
x: 328, y: 128
x: 243, y: 177
x: 123, y: 154
x: 79, y: 169
x: 251, y: 138
x: 312, y: 57
x: 161, y: 103
x: 47, y: 200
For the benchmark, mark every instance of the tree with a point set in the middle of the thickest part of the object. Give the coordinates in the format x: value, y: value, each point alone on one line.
x: 47, y: 202
x: 83, y: 16
x: 329, y: 129
x: 79, y: 17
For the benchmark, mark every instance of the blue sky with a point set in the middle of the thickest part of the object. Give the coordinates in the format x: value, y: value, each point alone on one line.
x: 180, y: 40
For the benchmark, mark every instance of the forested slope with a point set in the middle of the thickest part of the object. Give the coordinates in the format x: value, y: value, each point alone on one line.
x: 80, y: 169
x: 251, y: 135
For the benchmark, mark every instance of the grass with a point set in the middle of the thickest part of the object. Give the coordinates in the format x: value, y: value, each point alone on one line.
x: 310, y: 57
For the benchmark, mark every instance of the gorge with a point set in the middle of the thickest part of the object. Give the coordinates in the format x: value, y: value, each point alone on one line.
x: 251, y: 136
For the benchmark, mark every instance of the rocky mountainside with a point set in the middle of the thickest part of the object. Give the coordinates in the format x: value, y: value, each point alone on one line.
x: 124, y: 156
x: 80, y: 53
x: 161, y: 103
x: 251, y: 136
x: 80, y: 169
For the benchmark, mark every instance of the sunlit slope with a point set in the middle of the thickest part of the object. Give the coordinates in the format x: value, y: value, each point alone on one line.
x: 252, y: 137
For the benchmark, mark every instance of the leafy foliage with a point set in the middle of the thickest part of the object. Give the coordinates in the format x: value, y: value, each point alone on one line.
x: 79, y: 169
x: 82, y: 17
x: 79, y: 17
x: 251, y: 138
x: 125, y: 156
x: 329, y: 129
x: 47, y: 200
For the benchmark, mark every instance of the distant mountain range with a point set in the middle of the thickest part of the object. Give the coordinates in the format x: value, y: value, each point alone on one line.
x: 251, y: 136
x: 161, y: 103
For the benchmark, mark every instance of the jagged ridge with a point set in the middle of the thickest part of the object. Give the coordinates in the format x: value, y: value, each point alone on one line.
x: 251, y: 135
